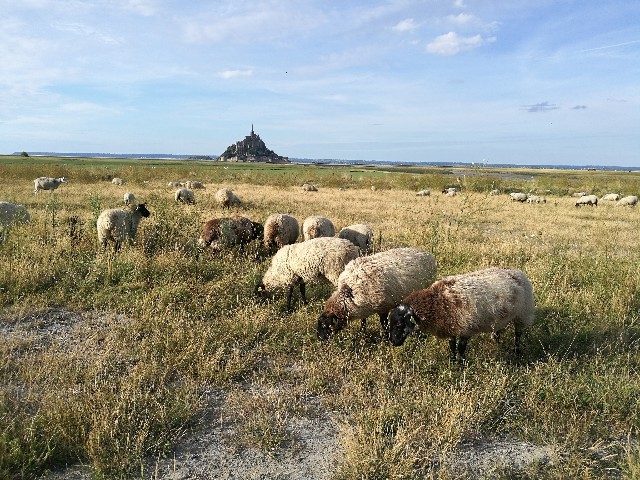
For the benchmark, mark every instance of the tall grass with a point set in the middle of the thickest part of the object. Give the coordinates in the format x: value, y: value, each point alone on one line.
x: 107, y: 359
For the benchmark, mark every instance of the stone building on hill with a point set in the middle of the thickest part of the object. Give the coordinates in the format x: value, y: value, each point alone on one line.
x: 251, y: 149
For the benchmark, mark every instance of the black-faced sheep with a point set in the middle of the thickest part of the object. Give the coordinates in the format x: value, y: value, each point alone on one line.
x: 175, y: 184
x: 193, y: 184
x: 309, y: 187
x: 628, y: 201
x: 461, y: 306
x: 316, y: 226
x: 184, y: 195
x: 360, y: 235
x: 226, y: 198
x: 611, y: 197
x: 374, y: 285
x: 119, y: 225
x: 309, y: 261
x: 219, y: 233
x: 591, y: 200
x: 48, y: 183
x: 279, y: 230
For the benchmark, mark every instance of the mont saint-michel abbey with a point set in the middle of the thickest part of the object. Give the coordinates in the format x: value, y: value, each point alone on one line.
x: 251, y: 149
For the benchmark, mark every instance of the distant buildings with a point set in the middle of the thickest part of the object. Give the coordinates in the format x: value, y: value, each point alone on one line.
x: 251, y: 149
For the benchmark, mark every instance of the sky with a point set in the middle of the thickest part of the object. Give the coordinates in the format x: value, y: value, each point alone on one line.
x: 526, y: 82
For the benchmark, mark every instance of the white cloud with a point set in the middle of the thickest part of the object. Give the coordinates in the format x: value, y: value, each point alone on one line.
x: 459, y: 4
x: 405, y: 25
x: 461, y: 18
x: 451, y: 43
x: 227, y: 74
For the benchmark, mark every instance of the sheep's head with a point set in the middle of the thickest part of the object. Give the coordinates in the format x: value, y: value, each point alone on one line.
x: 63, y: 180
x: 329, y: 323
x: 262, y: 293
x: 400, y: 324
x: 257, y: 230
x: 142, y: 210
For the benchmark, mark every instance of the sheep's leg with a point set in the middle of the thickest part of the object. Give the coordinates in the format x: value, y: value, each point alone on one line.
x: 289, y: 295
x: 496, y: 335
x: 452, y: 349
x: 363, y: 324
x: 302, y: 292
x: 518, y: 336
x: 462, y: 348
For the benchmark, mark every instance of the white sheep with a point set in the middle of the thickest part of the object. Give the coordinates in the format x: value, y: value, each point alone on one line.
x: 316, y: 226
x: 461, y: 306
x: 184, y: 195
x: 518, y: 197
x: 611, y: 197
x: 309, y: 187
x: 219, y: 233
x: 175, y: 184
x: 424, y: 193
x: 360, y: 235
x: 48, y: 183
x: 536, y: 199
x: 591, y: 200
x: 119, y: 225
x: 628, y: 201
x: 450, y: 191
x: 374, y: 285
x: 322, y: 258
x: 117, y: 181
x: 192, y: 184
x: 129, y: 198
x: 579, y: 194
x: 279, y: 230
x: 12, y: 213
x: 226, y: 198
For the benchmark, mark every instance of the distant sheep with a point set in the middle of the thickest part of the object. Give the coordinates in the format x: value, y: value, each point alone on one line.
x: 175, y: 184
x: 129, y: 198
x: 424, y: 193
x: 591, y: 200
x: 579, y: 194
x: 309, y: 187
x: 536, y: 199
x: 280, y: 230
x: 360, y: 235
x: 184, y: 195
x: 220, y: 233
x: 192, y: 184
x: 117, y: 181
x: 518, y: 197
x: 119, y: 225
x: 461, y: 306
x: 12, y: 213
x: 628, y: 201
x: 450, y: 191
x: 374, y: 285
x: 309, y: 261
x: 226, y: 198
x: 316, y: 226
x: 48, y: 183
x: 611, y: 197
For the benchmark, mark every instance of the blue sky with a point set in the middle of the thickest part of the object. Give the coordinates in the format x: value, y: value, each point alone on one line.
x: 514, y: 81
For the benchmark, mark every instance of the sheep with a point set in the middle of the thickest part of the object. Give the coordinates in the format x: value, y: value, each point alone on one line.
x: 322, y: 258
x: 48, y: 183
x: 309, y: 187
x: 218, y: 233
x: 374, y: 285
x: 12, y: 213
x: 536, y: 199
x: 185, y: 195
x: 360, y: 235
x: 120, y: 225
x: 424, y: 193
x: 175, y: 184
x: 129, y: 198
x: 628, y: 201
x: 579, y: 194
x: 518, y: 197
x: 590, y: 200
x: 226, y: 198
x: 461, y: 306
x: 450, y: 191
x: 280, y: 230
x: 117, y: 181
x: 316, y: 226
x: 611, y: 197
x: 192, y: 184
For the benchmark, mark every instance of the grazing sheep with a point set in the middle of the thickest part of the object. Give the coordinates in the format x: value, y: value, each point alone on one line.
x: 192, y: 184
x: 219, y: 233
x: 579, y: 194
x: 129, y: 198
x: 451, y: 191
x: 117, y: 181
x: 611, y: 197
x: 185, y: 195
x: 175, y: 184
x: 280, y: 230
x: 226, y: 198
x: 12, y: 213
x: 424, y: 193
x: 375, y: 284
x: 591, y: 200
x: 360, y: 235
x: 518, y: 197
x: 309, y: 261
x: 48, y: 183
x: 536, y: 199
x: 119, y: 225
x: 628, y: 201
x: 316, y: 226
x: 309, y: 187
x: 461, y: 306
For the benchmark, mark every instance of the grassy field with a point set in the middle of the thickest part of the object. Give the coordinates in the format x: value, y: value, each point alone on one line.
x: 166, y: 328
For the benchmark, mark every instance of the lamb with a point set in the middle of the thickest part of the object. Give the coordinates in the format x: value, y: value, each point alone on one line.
x: 219, y: 233
x: 628, y: 201
x: 129, y: 198
x: 226, y: 198
x: 117, y: 181
x: 192, y: 184
x: 611, y: 197
x: 424, y: 193
x: 309, y: 187
x: 374, y: 285
x: 280, y: 230
x: 48, y: 183
x: 316, y: 226
x: 120, y: 225
x: 360, y: 235
x: 322, y: 258
x: 461, y: 306
x: 185, y: 195
x: 590, y: 200
x: 12, y: 213
x: 518, y: 197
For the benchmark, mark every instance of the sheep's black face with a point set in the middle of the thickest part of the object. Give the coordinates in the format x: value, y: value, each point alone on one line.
x: 258, y: 230
x: 261, y: 292
x: 327, y: 325
x: 142, y: 209
x: 400, y: 324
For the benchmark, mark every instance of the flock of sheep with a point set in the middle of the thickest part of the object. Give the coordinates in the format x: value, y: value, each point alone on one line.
x: 399, y: 285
